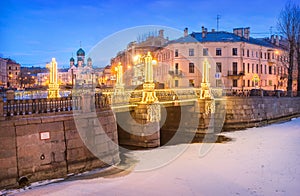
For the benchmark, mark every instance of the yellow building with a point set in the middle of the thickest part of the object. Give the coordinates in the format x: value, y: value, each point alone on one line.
x: 237, y: 60
x: 13, y: 70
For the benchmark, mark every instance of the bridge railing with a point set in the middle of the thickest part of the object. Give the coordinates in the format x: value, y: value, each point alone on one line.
x: 17, y: 107
x: 90, y: 102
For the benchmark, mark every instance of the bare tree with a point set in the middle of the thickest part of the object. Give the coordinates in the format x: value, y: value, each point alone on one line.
x: 297, y: 47
x: 288, y: 23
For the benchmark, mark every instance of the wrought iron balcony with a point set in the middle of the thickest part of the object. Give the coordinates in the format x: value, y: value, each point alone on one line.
x: 283, y: 76
x: 236, y: 73
x: 176, y: 72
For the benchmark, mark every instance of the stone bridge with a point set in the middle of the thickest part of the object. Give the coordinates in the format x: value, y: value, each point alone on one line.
x: 51, y: 138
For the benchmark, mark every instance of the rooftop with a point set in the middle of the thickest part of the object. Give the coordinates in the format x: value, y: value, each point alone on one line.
x: 220, y: 36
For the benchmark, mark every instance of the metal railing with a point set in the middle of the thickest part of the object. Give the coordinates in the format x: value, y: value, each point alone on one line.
x: 235, y: 73
x: 94, y: 101
x: 47, y: 105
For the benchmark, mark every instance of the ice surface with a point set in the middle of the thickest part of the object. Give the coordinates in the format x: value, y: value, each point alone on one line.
x: 259, y: 161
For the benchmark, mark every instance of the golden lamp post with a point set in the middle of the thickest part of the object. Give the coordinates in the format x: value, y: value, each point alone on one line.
x: 119, y: 87
x: 205, y: 85
x: 53, y: 90
x: 149, y: 95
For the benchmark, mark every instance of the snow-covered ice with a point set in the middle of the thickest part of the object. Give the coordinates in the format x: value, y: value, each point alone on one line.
x: 259, y: 161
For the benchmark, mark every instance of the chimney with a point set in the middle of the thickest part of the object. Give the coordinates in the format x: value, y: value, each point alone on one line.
x: 272, y: 39
x: 161, y: 33
x: 185, y: 32
x: 247, y: 33
x: 239, y: 32
x: 277, y: 41
x: 203, y: 32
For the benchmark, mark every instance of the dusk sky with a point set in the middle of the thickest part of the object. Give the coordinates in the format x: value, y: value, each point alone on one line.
x: 34, y: 31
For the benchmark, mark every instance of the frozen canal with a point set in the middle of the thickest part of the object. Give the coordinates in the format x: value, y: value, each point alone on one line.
x: 259, y: 161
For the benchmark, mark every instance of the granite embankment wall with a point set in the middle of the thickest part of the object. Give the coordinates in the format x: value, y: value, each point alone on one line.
x: 45, y: 146
x: 245, y: 112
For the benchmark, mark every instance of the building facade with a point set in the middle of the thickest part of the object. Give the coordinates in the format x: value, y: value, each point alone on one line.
x: 131, y: 58
x: 3, y: 73
x: 237, y: 61
x: 12, y: 70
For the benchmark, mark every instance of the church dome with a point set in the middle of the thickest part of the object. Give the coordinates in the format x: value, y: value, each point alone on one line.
x: 80, y: 52
x: 89, y: 59
x: 72, y: 59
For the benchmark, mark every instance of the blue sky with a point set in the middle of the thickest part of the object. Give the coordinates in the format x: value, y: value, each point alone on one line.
x: 34, y: 31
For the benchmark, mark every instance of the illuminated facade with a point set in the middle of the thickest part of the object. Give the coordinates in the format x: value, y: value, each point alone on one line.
x: 3, y: 73
x: 10, y: 71
x: 237, y: 61
x: 133, y: 69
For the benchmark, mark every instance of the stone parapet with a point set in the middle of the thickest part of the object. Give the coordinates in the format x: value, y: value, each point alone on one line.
x: 34, y: 148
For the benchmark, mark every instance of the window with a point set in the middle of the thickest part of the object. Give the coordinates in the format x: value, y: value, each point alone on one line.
x: 176, y: 83
x: 16, y: 68
x: 248, y: 82
x: 219, y: 83
x: 270, y: 69
x: 234, y: 83
x: 191, y: 83
x: 234, y: 52
x: 270, y: 83
x: 176, y: 68
x: 265, y: 55
x: 234, y: 68
x: 243, y: 52
x: 244, y: 67
x: 191, y: 68
x: 268, y: 55
x: 248, y: 67
x: 16, y: 73
x: 176, y: 52
x: 248, y: 53
x: 256, y: 68
x: 9, y: 67
x: 191, y: 52
x: 261, y: 68
x: 252, y: 68
x: 265, y: 69
x: 218, y: 52
x: 205, y: 51
x: 219, y: 67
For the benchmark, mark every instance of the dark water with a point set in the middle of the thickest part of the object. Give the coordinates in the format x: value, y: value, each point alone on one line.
x: 170, y: 139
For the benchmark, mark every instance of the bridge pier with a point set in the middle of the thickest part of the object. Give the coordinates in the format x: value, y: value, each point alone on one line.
x: 141, y: 127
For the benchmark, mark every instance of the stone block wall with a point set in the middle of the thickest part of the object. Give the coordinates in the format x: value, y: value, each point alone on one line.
x: 24, y: 154
x: 140, y: 127
x: 244, y: 112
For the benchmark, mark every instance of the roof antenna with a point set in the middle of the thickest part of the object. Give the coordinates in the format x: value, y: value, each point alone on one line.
x: 218, y: 19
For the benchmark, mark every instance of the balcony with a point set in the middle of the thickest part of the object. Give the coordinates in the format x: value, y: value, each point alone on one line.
x: 283, y: 76
x: 272, y: 61
x: 176, y: 73
x: 236, y: 73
